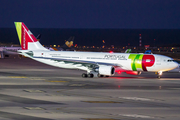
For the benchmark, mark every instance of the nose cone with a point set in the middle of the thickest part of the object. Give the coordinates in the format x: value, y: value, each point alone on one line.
x: 174, y: 65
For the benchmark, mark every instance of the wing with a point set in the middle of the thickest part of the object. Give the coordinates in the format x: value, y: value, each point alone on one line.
x: 81, y: 63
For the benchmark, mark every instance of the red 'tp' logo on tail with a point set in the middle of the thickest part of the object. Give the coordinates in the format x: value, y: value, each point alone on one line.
x: 26, y: 37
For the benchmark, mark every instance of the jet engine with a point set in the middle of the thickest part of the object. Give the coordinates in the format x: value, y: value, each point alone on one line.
x: 106, y: 70
x: 133, y: 72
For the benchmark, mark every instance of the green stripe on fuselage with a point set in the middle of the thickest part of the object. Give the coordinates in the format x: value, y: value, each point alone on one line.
x: 136, y: 61
x: 18, y: 29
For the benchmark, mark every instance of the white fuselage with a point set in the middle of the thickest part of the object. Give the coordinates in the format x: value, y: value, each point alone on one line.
x: 161, y: 63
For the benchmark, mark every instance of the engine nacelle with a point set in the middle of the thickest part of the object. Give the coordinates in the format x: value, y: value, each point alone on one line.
x: 106, y: 70
x: 133, y: 72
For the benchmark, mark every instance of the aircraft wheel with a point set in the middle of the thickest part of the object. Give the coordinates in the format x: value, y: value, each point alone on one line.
x: 84, y: 75
x: 100, y: 75
x: 91, y: 75
x: 106, y: 76
x: 158, y: 76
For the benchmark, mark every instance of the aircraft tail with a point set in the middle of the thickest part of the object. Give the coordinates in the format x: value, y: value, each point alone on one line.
x: 128, y: 51
x: 69, y: 42
x: 27, y: 40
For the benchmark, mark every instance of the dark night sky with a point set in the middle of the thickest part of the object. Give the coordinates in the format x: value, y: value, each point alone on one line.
x: 133, y: 14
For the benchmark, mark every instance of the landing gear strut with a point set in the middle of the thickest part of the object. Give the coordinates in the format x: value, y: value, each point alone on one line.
x: 159, y: 74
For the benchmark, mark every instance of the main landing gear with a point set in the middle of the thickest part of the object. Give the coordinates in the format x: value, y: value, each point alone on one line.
x: 91, y: 75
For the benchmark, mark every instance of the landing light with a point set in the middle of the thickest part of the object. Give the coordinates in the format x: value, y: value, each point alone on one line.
x: 118, y: 71
x: 160, y: 72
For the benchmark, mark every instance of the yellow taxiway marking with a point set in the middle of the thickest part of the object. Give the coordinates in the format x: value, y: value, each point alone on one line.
x: 101, y: 102
x: 17, y: 77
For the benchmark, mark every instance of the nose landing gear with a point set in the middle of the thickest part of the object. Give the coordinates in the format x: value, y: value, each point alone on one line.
x: 159, y: 74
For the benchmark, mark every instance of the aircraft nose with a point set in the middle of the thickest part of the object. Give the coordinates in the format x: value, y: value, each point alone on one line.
x: 175, y: 65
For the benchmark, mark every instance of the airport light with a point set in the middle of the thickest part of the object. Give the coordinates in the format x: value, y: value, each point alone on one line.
x: 54, y: 45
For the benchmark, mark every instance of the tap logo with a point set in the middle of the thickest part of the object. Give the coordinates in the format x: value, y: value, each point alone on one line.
x: 140, y: 62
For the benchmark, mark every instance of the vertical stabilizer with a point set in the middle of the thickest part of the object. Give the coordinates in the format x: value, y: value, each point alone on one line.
x: 27, y: 40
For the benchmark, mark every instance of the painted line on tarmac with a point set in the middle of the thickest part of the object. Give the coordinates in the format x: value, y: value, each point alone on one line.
x: 137, y: 98
x: 35, y: 91
x: 101, y: 102
x: 34, y: 108
x: 17, y: 76
x: 136, y: 116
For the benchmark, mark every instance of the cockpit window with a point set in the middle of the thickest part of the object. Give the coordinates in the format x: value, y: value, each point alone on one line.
x: 170, y: 60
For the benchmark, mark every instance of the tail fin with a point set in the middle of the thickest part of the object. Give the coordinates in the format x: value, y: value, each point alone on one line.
x: 26, y: 38
x: 128, y: 51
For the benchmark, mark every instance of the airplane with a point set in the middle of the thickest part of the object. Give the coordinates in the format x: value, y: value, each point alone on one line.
x: 96, y: 64
x: 67, y: 46
x: 128, y: 51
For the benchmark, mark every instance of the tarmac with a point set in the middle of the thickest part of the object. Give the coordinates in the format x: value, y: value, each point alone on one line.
x: 30, y: 90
